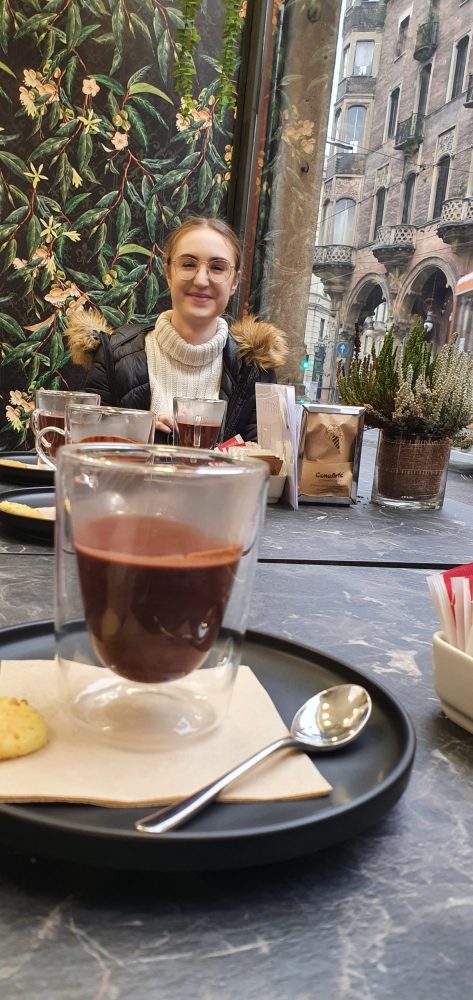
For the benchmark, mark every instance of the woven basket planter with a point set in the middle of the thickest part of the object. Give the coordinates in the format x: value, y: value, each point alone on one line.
x: 410, y: 472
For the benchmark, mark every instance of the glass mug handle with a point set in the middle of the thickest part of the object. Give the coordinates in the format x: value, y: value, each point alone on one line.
x: 39, y: 446
x: 197, y: 430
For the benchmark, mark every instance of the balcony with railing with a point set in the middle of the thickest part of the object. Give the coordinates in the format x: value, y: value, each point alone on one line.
x: 333, y: 261
x: 469, y: 93
x: 367, y: 16
x: 394, y: 245
x: 456, y: 222
x: 409, y: 133
x: 356, y: 86
x: 345, y: 165
x: 426, y: 40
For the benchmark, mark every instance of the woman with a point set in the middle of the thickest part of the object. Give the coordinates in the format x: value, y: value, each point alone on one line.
x: 189, y: 351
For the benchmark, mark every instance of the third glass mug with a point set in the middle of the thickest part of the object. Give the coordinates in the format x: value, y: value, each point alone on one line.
x: 96, y: 424
x: 198, y: 423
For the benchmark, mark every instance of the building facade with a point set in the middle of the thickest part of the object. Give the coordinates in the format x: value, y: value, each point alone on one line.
x: 396, y: 216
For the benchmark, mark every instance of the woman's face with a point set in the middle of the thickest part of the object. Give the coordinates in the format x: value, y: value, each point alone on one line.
x: 200, y: 299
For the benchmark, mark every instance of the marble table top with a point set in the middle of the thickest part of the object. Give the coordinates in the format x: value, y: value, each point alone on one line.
x: 381, y: 916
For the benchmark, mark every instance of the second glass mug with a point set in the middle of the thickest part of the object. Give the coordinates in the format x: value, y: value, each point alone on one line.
x: 198, y: 423
x: 156, y: 552
x: 97, y: 424
x: 49, y: 413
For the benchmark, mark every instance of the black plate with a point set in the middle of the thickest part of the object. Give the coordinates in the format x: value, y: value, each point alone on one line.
x: 368, y: 777
x: 29, y: 475
x: 34, y: 529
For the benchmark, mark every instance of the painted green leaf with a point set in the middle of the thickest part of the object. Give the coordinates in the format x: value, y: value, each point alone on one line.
x: 56, y: 350
x: 163, y: 54
x: 84, y: 151
x: 133, y: 194
x: 204, y: 182
x: 33, y: 235
x: 116, y: 294
x: 18, y: 353
x: 158, y: 25
x: 97, y: 7
x: 16, y: 216
x: 69, y: 75
x: 175, y: 17
x: 85, y: 281
x: 10, y: 325
x: 36, y: 23
x: 137, y: 273
x: 88, y: 218
x: 47, y: 148
x: 48, y: 205
x: 100, y: 237
x: 151, y: 220
x: 14, y: 163
x: 137, y: 76
x: 9, y: 255
x: 141, y: 28
x: 67, y: 128
x: 113, y: 316
x: 123, y: 221
x: 6, y: 69
x: 109, y: 82
x: 84, y: 34
x: 118, y: 25
x: 138, y: 126
x: 5, y: 24
x: 145, y: 105
x: 151, y: 293
x: 76, y: 200
x: 182, y: 199
x: 133, y: 248
x: 148, y: 88
x: 107, y: 199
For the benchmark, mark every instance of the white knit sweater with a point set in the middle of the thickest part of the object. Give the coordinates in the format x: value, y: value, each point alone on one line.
x: 177, y: 368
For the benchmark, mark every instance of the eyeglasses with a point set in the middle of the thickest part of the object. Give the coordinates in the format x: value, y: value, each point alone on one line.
x: 218, y: 269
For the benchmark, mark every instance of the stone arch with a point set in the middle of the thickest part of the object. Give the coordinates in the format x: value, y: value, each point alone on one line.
x: 422, y: 294
x: 359, y: 296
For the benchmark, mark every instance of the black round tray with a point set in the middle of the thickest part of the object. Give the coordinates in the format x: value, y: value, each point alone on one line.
x: 367, y: 778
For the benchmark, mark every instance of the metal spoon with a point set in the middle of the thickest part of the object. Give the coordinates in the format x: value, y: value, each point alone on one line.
x: 328, y: 721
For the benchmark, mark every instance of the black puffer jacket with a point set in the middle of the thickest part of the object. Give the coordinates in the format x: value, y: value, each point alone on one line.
x: 118, y: 368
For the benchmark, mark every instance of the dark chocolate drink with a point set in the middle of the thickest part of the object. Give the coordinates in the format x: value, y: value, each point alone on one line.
x: 190, y: 432
x: 154, y: 593
x: 106, y: 437
x: 52, y: 441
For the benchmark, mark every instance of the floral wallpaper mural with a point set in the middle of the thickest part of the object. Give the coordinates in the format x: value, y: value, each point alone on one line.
x: 115, y: 122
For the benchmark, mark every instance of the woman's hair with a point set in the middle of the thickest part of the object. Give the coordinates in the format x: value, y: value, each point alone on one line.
x: 204, y: 222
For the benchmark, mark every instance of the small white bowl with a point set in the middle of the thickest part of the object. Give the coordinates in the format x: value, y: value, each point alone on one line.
x: 453, y: 681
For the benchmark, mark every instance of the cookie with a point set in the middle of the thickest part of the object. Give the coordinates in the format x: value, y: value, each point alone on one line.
x: 20, y: 509
x: 22, y: 729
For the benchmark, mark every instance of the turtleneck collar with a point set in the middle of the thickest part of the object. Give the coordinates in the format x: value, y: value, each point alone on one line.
x: 194, y: 355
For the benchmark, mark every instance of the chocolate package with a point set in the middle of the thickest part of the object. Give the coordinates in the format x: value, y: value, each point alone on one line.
x: 329, y: 453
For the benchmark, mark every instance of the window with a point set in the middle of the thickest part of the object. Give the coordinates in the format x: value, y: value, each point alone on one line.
x: 380, y: 199
x: 443, y: 168
x: 363, y: 63
x: 324, y: 224
x: 460, y: 54
x: 393, y: 112
x: 402, y: 36
x: 346, y: 53
x: 355, y: 126
x: 408, y: 198
x: 336, y: 124
x: 424, y: 90
x: 321, y: 329
x: 344, y: 220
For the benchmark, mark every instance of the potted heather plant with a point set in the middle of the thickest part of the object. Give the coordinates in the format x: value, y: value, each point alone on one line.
x: 419, y: 402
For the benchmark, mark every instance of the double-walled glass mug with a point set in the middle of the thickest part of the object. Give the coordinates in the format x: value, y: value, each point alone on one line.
x: 198, y: 423
x: 156, y: 551
x: 96, y: 424
x: 49, y: 417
